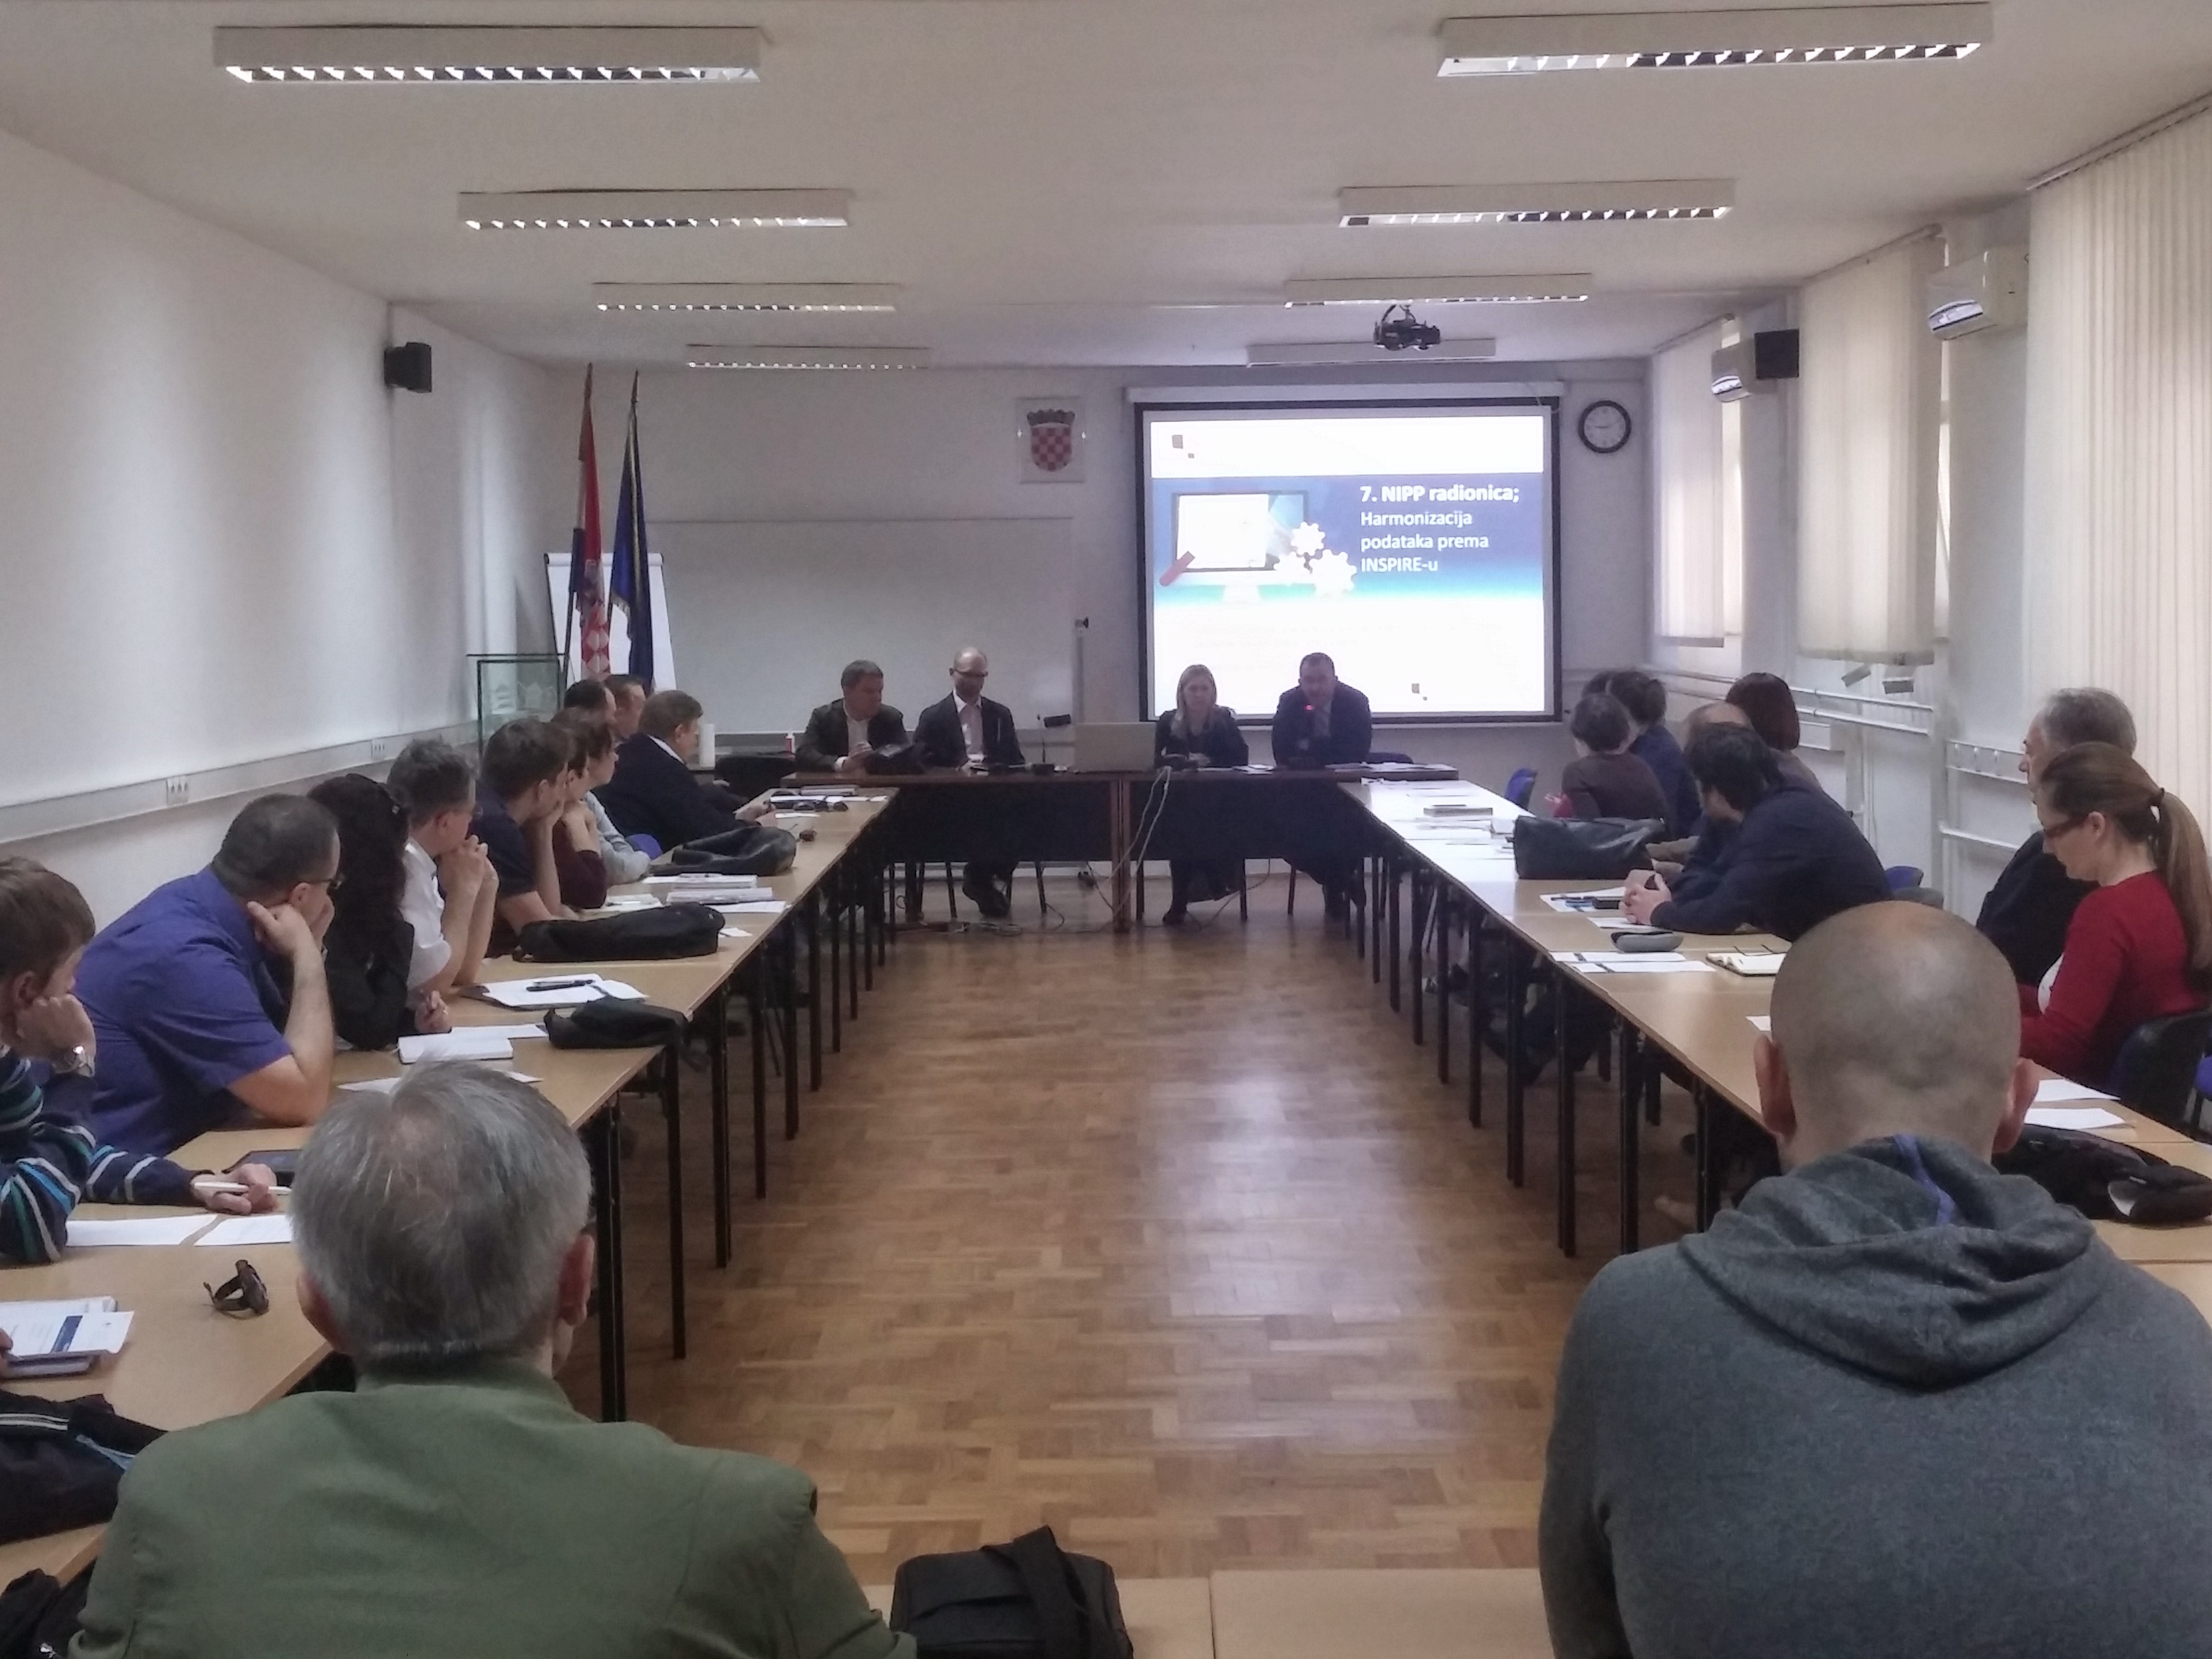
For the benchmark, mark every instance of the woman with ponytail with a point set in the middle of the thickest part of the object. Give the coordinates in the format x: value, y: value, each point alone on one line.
x: 2140, y: 946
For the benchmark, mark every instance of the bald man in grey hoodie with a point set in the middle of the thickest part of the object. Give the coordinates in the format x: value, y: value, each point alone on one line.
x: 1896, y: 1406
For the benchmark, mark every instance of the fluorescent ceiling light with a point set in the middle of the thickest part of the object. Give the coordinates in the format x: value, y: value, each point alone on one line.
x: 652, y: 210
x: 749, y: 357
x: 744, y: 296
x: 369, y: 55
x: 1367, y: 351
x: 1433, y: 290
x: 1714, y: 39
x: 1624, y: 202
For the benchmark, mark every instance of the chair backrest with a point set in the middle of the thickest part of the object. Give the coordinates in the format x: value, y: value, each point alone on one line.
x: 1521, y: 786
x: 1930, y: 897
x: 2156, y: 1072
x: 1388, y: 757
x: 1902, y: 876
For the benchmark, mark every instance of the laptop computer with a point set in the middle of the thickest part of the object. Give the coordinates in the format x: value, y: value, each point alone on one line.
x: 1112, y: 748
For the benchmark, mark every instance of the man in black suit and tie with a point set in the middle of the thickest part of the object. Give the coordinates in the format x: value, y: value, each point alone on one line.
x: 1321, y: 721
x: 652, y: 791
x: 840, y: 736
x: 968, y: 730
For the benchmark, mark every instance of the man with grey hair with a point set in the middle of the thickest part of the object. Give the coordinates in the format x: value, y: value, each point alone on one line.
x: 843, y: 735
x: 1874, y: 1411
x: 2027, y: 912
x: 456, y: 1503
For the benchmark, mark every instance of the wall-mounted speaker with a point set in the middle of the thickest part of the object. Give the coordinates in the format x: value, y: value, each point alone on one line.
x: 407, y: 367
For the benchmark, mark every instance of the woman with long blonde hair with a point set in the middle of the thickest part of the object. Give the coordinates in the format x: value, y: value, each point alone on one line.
x: 1199, y: 731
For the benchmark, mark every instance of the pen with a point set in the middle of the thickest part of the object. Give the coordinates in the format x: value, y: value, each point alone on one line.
x: 206, y: 1186
x: 561, y: 984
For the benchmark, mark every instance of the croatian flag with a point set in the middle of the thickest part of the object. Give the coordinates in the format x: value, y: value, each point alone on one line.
x: 587, y: 580
x: 630, y: 580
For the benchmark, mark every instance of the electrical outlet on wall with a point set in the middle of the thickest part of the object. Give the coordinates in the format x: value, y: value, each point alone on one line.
x: 379, y: 748
x: 176, y: 790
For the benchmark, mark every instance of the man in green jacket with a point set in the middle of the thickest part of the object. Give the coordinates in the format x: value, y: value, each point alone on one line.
x: 456, y: 1504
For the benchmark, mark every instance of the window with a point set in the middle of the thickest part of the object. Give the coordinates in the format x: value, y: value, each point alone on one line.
x: 1689, y: 606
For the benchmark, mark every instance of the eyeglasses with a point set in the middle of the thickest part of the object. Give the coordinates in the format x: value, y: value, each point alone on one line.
x: 330, y: 884
x: 244, y: 1295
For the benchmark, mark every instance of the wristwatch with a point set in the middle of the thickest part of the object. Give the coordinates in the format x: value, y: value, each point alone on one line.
x: 73, y: 1062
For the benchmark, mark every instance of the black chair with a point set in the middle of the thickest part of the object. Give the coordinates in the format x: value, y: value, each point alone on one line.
x: 2156, y: 1072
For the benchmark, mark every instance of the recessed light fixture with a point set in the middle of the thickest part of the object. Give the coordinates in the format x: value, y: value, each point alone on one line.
x: 1714, y: 39
x: 1367, y: 351
x: 1434, y: 290
x: 744, y: 296
x: 1627, y: 201
x: 748, y: 356
x: 653, y: 209
x: 370, y: 55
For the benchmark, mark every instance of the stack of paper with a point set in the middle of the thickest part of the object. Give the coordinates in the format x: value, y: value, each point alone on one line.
x: 481, y: 1043
x: 1751, y: 964
x: 241, y: 1230
x: 2048, y: 1112
x: 554, y: 991
x: 85, y: 1233
x: 61, y: 1339
x: 1455, y: 809
x: 1629, y: 962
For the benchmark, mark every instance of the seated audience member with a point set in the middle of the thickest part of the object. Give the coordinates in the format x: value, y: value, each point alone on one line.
x: 48, y: 1164
x: 1601, y: 681
x: 525, y: 762
x: 456, y: 1503
x: 1796, y: 858
x: 1915, y: 1375
x: 451, y: 889
x: 1645, y: 700
x: 1767, y: 703
x: 587, y: 825
x: 588, y: 697
x: 368, y: 952
x: 629, y: 694
x: 967, y: 729
x: 1607, y: 781
x: 208, y: 996
x: 1696, y: 855
x: 1199, y: 731
x: 576, y: 857
x: 1321, y: 721
x: 652, y: 791
x: 2140, y: 945
x: 840, y: 736
x: 2027, y: 913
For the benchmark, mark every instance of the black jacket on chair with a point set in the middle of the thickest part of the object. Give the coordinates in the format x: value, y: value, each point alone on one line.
x: 937, y: 732
x: 1351, y: 730
x: 653, y: 793
x: 828, y: 739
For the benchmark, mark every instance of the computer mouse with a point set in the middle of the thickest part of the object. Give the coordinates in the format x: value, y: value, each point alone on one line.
x: 806, y: 834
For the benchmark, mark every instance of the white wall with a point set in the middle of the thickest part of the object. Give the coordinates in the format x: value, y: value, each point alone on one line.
x: 225, y: 540
x: 942, y: 445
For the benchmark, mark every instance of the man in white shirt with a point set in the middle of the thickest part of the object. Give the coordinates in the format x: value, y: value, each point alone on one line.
x: 450, y: 892
x: 840, y: 736
x: 968, y: 729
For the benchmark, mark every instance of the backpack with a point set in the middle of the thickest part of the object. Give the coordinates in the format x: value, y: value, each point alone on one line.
x: 615, y: 1024
x: 56, y: 1471
x: 752, y: 849
x: 1026, y: 1600
x: 38, y: 1614
x: 657, y: 934
x: 2106, y: 1180
x: 1582, y: 849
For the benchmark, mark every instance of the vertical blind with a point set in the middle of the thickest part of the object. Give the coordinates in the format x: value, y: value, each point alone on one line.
x: 1869, y: 407
x: 2119, y: 443
x: 1687, y: 478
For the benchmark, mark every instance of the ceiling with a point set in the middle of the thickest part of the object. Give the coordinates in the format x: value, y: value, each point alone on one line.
x: 1074, y: 181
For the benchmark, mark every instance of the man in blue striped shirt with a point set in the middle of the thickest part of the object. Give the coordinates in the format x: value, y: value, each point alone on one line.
x: 47, y: 1163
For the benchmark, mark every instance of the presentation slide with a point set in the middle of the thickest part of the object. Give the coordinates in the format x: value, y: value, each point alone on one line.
x: 1412, y: 543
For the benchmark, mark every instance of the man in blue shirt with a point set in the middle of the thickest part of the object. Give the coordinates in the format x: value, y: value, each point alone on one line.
x: 208, y: 996
x: 1797, y: 858
x: 517, y: 807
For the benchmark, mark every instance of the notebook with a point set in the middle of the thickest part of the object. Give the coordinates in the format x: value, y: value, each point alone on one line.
x: 62, y: 1338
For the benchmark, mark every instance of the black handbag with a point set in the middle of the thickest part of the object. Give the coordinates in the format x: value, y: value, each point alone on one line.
x: 751, y: 849
x: 659, y: 935
x: 53, y: 1474
x: 899, y: 760
x: 1582, y: 849
x: 2106, y: 1180
x: 1026, y: 1600
x: 38, y: 1614
x: 615, y: 1022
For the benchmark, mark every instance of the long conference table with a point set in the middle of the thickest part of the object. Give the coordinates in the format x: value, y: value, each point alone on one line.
x: 187, y: 1363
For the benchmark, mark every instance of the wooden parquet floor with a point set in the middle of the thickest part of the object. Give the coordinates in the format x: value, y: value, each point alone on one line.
x: 1172, y: 1241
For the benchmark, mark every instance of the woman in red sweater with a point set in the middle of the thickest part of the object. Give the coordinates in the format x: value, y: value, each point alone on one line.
x: 2140, y: 947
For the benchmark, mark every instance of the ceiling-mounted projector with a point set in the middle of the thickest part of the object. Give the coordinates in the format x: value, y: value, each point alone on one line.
x: 1755, y: 364
x: 1399, y: 329
x: 1987, y: 291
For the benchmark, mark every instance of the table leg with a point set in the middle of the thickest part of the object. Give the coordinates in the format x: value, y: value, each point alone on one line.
x: 837, y: 979
x: 913, y: 895
x: 1443, y: 913
x: 1415, y: 944
x: 1375, y: 917
x: 718, y: 1035
x: 854, y: 950
x: 603, y: 1137
x: 1478, y: 1015
x: 1392, y: 901
x: 814, y: 989
x: 1566, y: 1105
x: 1359, y: 921
x: 1516, y: 1090
x: 1117, y: 846
x: 671, y: 1110
x: 1631, y: 1146
x: 757, y: 1018
x: 1708, y: 1174
x: 787, y: 950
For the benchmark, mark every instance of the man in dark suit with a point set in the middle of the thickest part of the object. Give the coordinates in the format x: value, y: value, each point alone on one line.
x: 841, y: 735
x: 968, y: 730
x: 1321, y: 721
x: 652, y: 791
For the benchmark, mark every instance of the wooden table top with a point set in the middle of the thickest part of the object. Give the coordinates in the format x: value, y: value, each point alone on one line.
x: 938, y: 777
